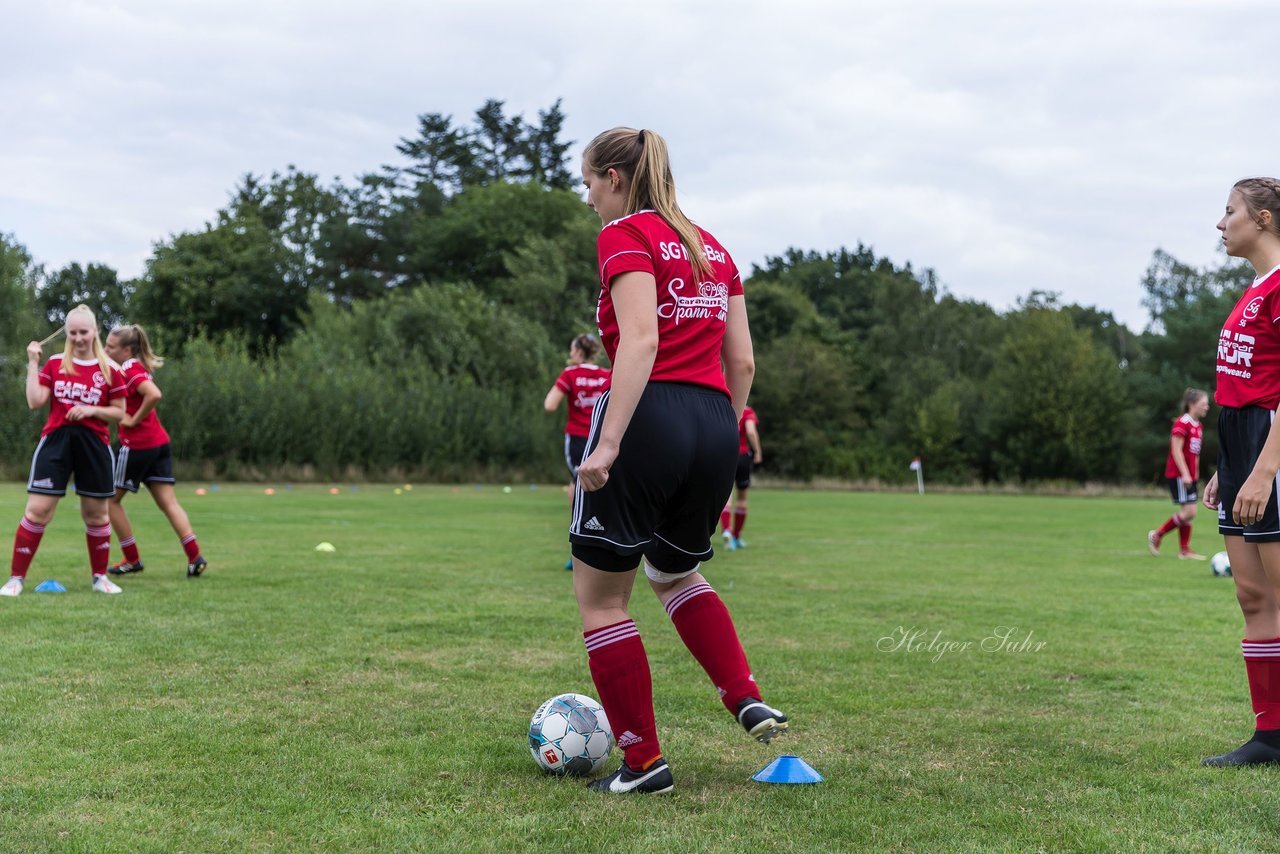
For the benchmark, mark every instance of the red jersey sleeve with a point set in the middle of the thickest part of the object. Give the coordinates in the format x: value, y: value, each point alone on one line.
x: 622, y: 248
x: 562, y: 382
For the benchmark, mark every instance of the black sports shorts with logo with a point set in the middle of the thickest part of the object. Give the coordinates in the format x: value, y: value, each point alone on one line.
x: 1241, y: 435
x: 136, y: 466
x: 666, y: 489
x: 574, y: 446
x: 72, y: 450
x: 1182, y: 494
x: 743, y: 477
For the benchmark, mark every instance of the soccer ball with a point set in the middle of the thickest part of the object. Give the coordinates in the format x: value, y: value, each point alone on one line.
x: 1220, y: 565
x: 570, y: 735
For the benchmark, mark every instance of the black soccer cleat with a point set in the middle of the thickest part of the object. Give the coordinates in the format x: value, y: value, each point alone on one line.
x: 760, y: 721
x: 125, y: 568
x: 656, y: 781
x: 196, y: 566
x: 1252, y: 752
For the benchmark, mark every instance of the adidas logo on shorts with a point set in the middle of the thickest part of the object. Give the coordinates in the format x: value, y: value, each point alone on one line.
x: 44, y: 483
x: 593, y: 524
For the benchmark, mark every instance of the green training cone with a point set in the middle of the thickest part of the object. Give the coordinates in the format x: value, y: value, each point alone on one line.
x: 788, y: 769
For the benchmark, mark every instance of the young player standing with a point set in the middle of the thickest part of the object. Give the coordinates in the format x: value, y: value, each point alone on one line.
x: 581, y: 383
x: 84, y: 393
x: 662, y: 450
x: 144, y: 455
x: 734, y: 515
x: 1182, y: 471
x: 1244, y: 488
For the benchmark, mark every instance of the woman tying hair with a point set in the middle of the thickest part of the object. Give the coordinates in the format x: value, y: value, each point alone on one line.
x: 84, y: 393
x: 662, y: 450
x: 144, y: 455
x: 581, y: 383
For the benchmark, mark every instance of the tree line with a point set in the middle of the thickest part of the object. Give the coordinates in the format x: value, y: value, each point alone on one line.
x: 410, y: 322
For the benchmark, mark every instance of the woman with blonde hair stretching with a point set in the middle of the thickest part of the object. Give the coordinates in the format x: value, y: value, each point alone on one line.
x: 662, y: 450
x: 84, y: 393
x: 1245, y: 487
x: 144, y: 455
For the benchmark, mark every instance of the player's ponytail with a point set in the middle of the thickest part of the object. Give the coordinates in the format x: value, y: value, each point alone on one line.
x: 134, y: 338
x: 641, y: 155
x: 588, y: 344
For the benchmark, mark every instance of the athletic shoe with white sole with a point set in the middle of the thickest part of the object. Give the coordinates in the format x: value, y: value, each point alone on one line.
x: 1153, y: 543
x: 760, y: 721
x: 655, y: 781
x: 196, y: 566
x: 1190, y: 555
x: 739, y: 543
x: 125, y: 568
x: 102, y: 584
x: 12, y: 587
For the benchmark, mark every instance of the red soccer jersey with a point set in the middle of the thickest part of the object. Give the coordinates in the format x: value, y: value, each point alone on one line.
x: 149, y: 432
x: 582, y: 385
x: 1192, y: 433
x: 1249, y: 348
x: 85, y: 386
x: 748, y: 414
x: 691, y: 314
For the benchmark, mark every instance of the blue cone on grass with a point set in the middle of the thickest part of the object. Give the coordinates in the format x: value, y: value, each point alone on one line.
x: 788, y: 769
x: 50, y: 586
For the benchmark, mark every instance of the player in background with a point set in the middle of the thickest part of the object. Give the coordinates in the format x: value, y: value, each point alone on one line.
x: 1244, y: 488
x: 144, y: 455
x: 581, y: 383
x: 662, y: 450
x: 734, y: 514
x: 84, y: 393
x: 1182, y: 471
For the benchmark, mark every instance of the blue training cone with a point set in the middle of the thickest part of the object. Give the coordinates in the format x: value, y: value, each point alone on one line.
x: 788, y: 769
x: 50, y: 586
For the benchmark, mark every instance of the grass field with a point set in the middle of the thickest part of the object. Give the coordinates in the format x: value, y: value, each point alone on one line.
x: 377, y: 697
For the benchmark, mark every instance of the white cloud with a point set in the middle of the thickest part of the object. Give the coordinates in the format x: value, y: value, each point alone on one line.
x: 1008, y: 146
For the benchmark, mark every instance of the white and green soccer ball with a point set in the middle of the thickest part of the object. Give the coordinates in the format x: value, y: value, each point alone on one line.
x: 569, y: 735
x: 1220, y: 565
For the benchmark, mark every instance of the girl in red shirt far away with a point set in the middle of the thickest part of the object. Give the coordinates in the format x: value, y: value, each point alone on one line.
x: 582, y: 383
x: 144, y: 455
x: 1245, y: 487
x: 662, y: 450
x: 1182, y: 471
x: 85, y: 394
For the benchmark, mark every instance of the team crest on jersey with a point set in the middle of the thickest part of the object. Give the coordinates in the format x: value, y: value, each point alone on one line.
x: 98, y: 379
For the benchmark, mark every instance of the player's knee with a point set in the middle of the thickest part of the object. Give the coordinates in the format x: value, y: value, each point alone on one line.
x: 1255, y: 600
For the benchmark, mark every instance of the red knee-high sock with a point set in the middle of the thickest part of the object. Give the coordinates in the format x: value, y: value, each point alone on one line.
x: 191, y: 547
x: 99, y: 543
x: 726, y: 518
x: 707, y: 630
x: 129, y: 546
x: 1184, y: 536
x: 1262, y: 663
x: 620, y: 669
x: 25, y: 543
x: 1169, y: 525
x: 739, y: 519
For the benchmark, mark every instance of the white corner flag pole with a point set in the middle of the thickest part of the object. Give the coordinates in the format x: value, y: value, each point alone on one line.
x: 919, y: 470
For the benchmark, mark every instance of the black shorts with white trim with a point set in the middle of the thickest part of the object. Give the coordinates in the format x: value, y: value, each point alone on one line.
x: 674, y: 472
x: 136, y: 466
x: 1241, y: 435
x: 72, y: 451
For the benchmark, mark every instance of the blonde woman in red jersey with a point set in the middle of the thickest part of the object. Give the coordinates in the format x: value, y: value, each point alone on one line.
x: 144, y: 455
x: 1245, y: 487
x: 662, y: 450
x: 85, y: 395
x: 1182, y: 471
x: 581, y: 383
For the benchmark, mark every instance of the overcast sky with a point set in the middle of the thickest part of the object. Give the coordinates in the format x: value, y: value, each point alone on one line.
x: 1007, y: 146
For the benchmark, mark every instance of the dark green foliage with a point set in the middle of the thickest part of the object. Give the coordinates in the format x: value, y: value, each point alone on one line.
x: 414, y: 320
